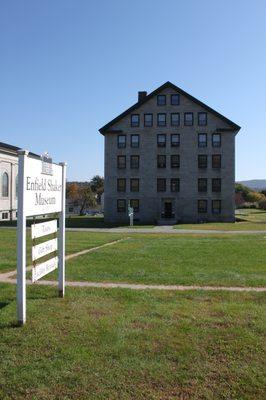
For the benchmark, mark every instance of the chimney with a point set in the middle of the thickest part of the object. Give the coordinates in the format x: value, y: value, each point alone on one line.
x: 141, y: 96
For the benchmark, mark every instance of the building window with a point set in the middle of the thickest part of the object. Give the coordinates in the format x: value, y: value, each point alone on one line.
x: 121, y: 205
x: 71, y: 209
x: 121, y: 141
x: 135, y: 120
x: 202, y: 161
x: 161, y: 161
x: 216, y: 161
x: 175, y: 119
x: 135, y: 141
x: 5, y: 215
x: 202, y: 118
x: 134, y: 203
x: 216, y: 185
x: 5, y: 185
x: 188, y: 119
x: 134, y: 162
x: 121, y: 162
x: 202, y: 206
x: 161, y: 100
x: 161, y: 140
x: 175, y: 185
x: 216, y: 206
x: 161, y: 185
x: 202, y: 139
x: 216, y: 140
x: 175, y: 140
x: 134, y: 185
x: 161, y: 119
x: 175, y: 161
x: 202, y: 185
x: 148, y: 120
x: 175, y: 99
x: 121, y: 184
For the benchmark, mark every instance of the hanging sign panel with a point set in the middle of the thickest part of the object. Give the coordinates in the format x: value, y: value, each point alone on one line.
x: 42, y: 187
x: 44, y: 268
x: 43, y: 229
x: 42, y: 249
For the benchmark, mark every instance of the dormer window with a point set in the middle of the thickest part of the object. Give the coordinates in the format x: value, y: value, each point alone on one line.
x: 175, y: 99
x: 202, y: 118
x: 134, y: 120
x: 161, y: 100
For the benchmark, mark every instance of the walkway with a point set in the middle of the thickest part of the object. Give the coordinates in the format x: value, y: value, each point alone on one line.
x: 167, y: 229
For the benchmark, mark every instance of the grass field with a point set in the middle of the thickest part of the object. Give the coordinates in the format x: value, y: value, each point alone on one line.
x: 75, y: 241
x: 158, y: 259
x: 120, y: 344
x: 248, y: 219
x: 168, y: 259
x: 100, y: 344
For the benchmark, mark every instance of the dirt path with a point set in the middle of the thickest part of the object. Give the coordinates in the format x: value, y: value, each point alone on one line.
x: 167, y: 229
x: 109, y: 285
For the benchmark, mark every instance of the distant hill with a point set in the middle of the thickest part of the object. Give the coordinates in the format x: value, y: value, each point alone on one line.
x: 255, y: 184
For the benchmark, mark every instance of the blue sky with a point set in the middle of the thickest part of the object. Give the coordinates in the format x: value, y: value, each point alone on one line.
x: 69, y: 66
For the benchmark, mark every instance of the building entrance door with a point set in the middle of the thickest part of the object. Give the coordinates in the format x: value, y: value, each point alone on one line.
x: 168, y: 209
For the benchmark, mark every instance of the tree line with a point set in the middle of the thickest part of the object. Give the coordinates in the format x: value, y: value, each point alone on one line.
x: 257, y: 198
x: 85, y: 194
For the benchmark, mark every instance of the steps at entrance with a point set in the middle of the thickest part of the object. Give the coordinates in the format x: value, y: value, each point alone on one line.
x: 165, y: 221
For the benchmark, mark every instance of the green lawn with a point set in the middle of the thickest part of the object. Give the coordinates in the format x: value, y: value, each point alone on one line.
x: 119, y: 344
x: 248, y: 219
x: 158, y: 259
x: 75, y: 241
x: 170, y: 259
x: 225, y: 226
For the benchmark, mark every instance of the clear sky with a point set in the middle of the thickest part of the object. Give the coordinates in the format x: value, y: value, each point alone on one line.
x: 67, y: 67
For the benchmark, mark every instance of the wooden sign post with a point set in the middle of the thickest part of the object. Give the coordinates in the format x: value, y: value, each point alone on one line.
x: 41, y: 191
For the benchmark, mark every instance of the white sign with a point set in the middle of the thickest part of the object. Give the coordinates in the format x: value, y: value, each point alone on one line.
x: 43, y: 249
x: 42, y: 192
x: 44, y: 228
x: 44, y: 268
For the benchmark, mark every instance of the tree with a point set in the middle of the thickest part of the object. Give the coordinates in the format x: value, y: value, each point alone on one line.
x: 244, y: 190
x: 253, y: 197
x: 86, y: 198
x: 97, y: 184
x: 72, y: 191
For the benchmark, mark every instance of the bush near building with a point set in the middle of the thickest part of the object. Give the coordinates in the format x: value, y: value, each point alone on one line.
x: 251, y: 198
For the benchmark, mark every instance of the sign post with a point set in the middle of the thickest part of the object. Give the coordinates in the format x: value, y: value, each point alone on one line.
x: 62, y: 216
x: 21, y: 241
x: 41, y: 191
x: 131, y: 214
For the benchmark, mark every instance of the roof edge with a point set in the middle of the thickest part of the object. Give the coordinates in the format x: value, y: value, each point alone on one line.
x: 104, y: 128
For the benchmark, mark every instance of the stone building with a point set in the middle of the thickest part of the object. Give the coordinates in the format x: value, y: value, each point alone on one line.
x: 172, y: 158
x: 8, y: 181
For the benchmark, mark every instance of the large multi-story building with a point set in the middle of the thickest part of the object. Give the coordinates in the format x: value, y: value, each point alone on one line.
x: 8, y: 181
x: 172, y: 158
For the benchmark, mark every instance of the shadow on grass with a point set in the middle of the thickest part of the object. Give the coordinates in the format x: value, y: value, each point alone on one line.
x: 77, y: 222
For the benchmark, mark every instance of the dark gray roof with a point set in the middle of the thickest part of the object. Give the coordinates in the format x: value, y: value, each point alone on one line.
x: 14, y: 148
x: 105, y: 128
